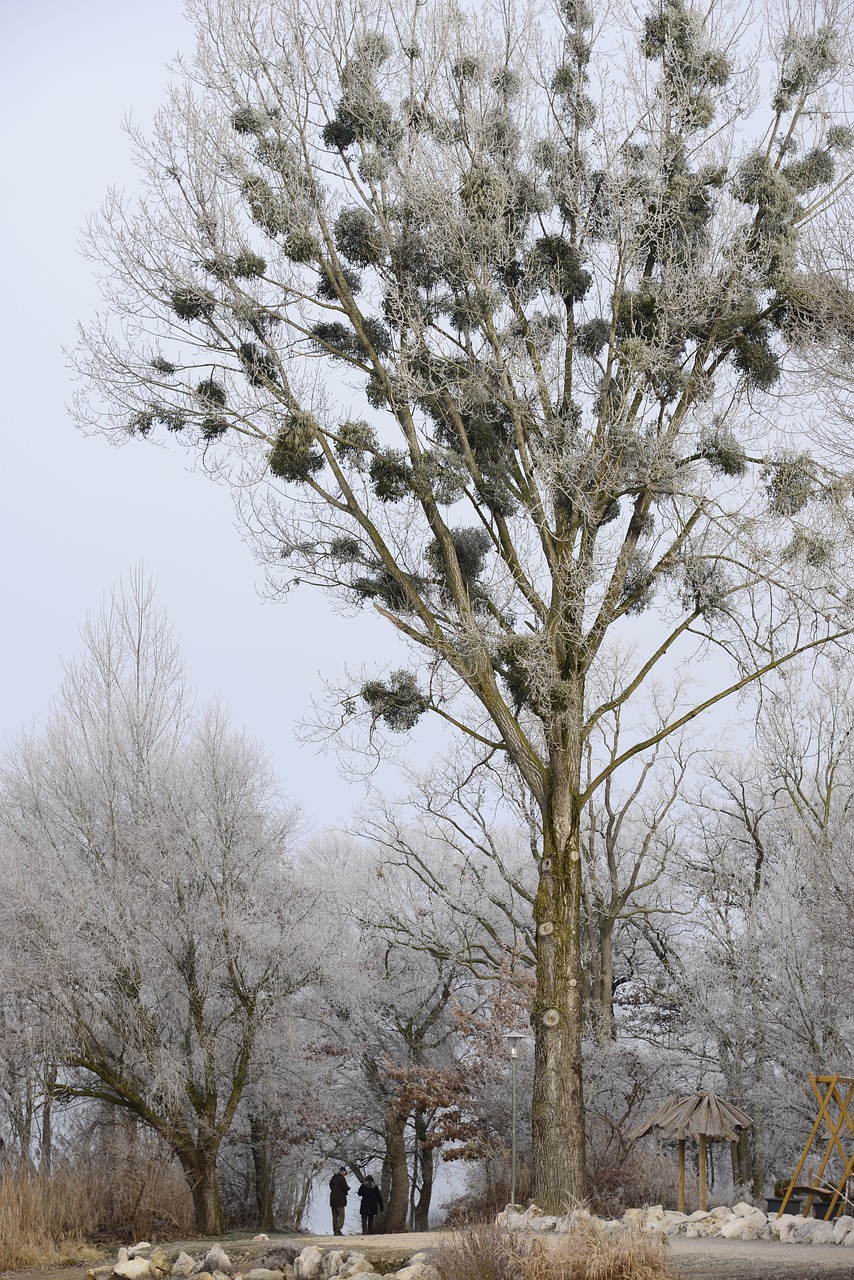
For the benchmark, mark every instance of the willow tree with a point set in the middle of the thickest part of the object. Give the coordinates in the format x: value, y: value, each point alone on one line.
x: 500, y: 323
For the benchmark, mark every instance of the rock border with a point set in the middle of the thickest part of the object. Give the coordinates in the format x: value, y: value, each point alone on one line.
x: 741, y: 1222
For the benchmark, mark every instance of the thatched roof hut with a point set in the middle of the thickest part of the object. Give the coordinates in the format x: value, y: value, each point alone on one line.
x: 702, y: 1116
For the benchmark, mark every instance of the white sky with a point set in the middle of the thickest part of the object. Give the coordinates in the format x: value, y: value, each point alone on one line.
x: 75, y: 512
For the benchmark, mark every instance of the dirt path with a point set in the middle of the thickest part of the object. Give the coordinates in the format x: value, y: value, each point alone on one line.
x: 701, y: 1259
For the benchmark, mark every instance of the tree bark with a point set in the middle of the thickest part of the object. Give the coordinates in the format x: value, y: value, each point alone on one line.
x: 558, y: 1103
x: 421, y: 1215
x: 395, y: 1175
x: 200, y: 1172
x: 262, y: 1165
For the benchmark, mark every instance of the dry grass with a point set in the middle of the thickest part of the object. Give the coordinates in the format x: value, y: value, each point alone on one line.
x: 588, y: 1252
x: 118, y: 1192
x: 42, y: 1220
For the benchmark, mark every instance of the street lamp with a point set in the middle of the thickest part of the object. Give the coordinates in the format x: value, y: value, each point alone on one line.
x: 513, y: 1039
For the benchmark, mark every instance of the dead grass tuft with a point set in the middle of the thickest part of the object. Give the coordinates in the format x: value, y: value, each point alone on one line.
x: 588, y: 1252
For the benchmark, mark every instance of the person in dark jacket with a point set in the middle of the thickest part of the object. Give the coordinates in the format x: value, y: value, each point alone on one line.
x: 372, y: 1204
x: 339, y: 1189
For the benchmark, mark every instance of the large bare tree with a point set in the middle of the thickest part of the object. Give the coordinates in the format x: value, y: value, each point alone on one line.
x: 509, y: 324
x: 150, y: 914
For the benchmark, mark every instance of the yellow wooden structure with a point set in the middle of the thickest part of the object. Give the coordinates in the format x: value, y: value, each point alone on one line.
x: 835, y: 1096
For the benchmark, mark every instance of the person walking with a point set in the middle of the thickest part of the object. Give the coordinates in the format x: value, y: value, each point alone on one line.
x: 339, y: 1189
x: 371, y: 1204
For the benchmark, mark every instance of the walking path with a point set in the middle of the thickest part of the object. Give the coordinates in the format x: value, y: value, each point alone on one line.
x: 700, y: 1259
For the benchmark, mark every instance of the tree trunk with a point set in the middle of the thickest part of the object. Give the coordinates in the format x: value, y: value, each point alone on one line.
x: 46, y: 1141
x: 395, y: 1175
x: 200, y: 1172
x: 264, y: 1181
x: 422, y: 1207
x: 605, y: 1004
x: 558, y: 1104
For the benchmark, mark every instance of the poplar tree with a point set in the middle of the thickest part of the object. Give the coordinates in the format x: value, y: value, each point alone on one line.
x: 512, y: 324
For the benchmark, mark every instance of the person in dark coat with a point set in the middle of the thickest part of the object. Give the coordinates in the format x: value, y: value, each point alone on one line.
x: 371, y: 1204
x: 339, y: 1189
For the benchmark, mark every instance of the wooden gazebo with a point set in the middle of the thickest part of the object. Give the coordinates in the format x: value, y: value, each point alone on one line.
x: 703, y: 1116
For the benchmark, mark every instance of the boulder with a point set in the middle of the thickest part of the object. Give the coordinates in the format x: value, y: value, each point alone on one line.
x: 720, y: 1211
x: 333, y: 1261
x: 671, y: 1221
x: 743, y: 1209
x: 418, y: 1271
x: 133, y: 1269
x: 183, y: 1265
x: 308, y: 1265
x: 262, y: 1273
x: 783, y: 1226
x: 260, y: 1238
x: 752, y: 1226
x: 512, y: 1221
x: 123, y: 1255
x: 634, y: 1215
x: 842, y: 1228
x: 141, y: 1250
x: 811, y: 1231
x: 216, y: 1259
x: 159, y: 1263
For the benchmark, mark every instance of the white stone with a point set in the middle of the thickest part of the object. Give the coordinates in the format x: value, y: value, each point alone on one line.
x: 334, y: 1261
x: 262, y: 1273
x: 634, y: 1215
x: 133, y: 1269
x: 261, y: 1236
x: 811, y: 1231
x: 418, y: 1271
x: 216, y: 1259
x: 356, y: 1269
x: 123, y: 1255
x: 141, y: 1250
x: 842, y: 1228
x: 783, y: 1226
x: 720, y: 1211
x: 307, y: 1266
x: 743, y: 1209
x: 183, y: 1265
x: 159, y: 1263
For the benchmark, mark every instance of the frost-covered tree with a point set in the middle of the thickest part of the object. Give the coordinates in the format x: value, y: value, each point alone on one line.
x: 149, y: 910
x: 506, y: 323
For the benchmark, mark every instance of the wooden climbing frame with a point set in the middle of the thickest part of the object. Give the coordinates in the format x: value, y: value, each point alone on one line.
x: 835, y: 1095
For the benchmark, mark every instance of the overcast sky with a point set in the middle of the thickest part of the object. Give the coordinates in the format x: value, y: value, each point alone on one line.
x: 78, y: 512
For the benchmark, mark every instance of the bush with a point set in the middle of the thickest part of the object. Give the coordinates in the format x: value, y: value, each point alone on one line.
x: 590, y: 1252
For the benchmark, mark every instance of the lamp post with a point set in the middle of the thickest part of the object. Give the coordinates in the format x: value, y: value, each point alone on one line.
x: 513, y: 1039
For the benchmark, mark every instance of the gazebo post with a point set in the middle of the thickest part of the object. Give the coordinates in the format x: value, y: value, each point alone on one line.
x: 681, y: 1175
x: 703, y: 1171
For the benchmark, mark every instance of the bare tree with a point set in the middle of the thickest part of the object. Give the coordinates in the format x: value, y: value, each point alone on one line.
x: 574, y: 307
x: 148, y: 905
